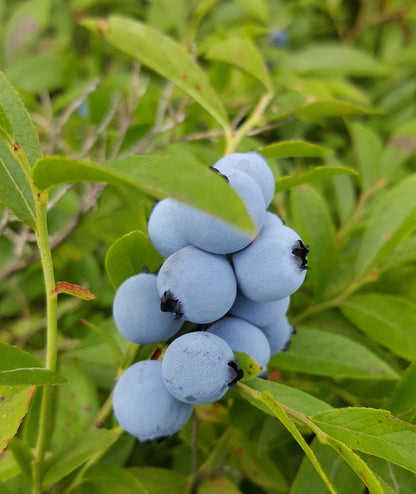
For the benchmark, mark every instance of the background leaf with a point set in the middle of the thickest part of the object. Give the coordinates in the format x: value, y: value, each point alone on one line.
x: 242, y: 53
x: 128, y: 255
x: 317, y: 173
x: 329, y: 354
x: 159, y: 480
x: 314, y: 225
x: 81, y: 449
x: 163, y: 55
x: 393, y: 327
x: 387, y: 227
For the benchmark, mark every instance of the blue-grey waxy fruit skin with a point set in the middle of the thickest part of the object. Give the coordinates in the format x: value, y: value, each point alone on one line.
x: 255, y: 165
x: 259, y: 313
x: 196, y: 368
x: 203, y: 284
x: 137, y: 314
x: 163, y: 228
x: 278, y: 334
x: 213, y: 235
x: 268, y: 269
x: 272, y: 221
x: 243, y: 336
x: 144, y: 407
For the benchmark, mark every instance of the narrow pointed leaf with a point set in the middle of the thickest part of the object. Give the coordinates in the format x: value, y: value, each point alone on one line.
x: 158, y: 175
x: 163, y: 55
x: 317, y: 173
x: 15, y: 190
x: 14, y: 403
x: 294, y: 149
x: 314, y: 225
x: 81, y: 449
x: 74, y: 290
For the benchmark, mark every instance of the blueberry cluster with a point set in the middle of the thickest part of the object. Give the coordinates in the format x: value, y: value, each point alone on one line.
x: 241, y: 304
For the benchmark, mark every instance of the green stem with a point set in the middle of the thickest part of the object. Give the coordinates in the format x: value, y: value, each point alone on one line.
x: 51, y: 351
x: 234, y: 138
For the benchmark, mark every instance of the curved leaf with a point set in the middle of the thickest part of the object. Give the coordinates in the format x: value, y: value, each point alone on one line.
x: 128, y: 255
x: 294, y: 149
x: 317, y: 173
x: 242, y: 53
x: 163, y: 55
x: 159, y: 176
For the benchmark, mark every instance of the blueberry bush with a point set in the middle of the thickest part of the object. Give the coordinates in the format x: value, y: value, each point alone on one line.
x: 224, y: 379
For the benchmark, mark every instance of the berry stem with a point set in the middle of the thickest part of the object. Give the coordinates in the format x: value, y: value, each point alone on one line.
x: 234, y: 138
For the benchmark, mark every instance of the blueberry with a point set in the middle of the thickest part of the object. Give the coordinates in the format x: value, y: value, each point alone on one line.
x: 144, y: 407
x: 243, y: 337
x: 279, y: 39
x: 213, y: 235
x: 137, y: 313
x: 196, y: 285
x: 278, y: 334
x: 163, y: 229
x: 272, y: 221
x: 255, y: 165
x: 273, y: 266
x: 259, y: 313
x: 198, y: 368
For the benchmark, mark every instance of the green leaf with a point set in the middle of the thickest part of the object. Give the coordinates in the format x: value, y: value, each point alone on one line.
x: 12, y: 357
x: 402, y: 403
x: 368, y: 151
x: 160, y: 480
x: 15, y: 189
x: 314, y: 225
x: 14, y: 403
x: 81, y: 449
x: 109, y: 339
x: 375, y: 484
x: 104, y: 477
x: 294, y: 149
x: 372, y: 431
x: 217, y: 485
x: 288, y: 397
x: 329, y: 58
x: 318, y: 110
x: 316, y: 174
x: 387, y: 319
x: 159, y: 176
x: 6, y: 129
x: 277, y: 411
x: 163, y: 55
x: 23, y: 456
x: 397, y: 478
x: 404, y: 253
x: 345, y: 197
x: 255, y: 464
x: 308, y: 481
x: 248, y: 365
x: 242, y: 53
x: 329, y: 354
x: 28, y: 377
x: 76, y: 406
x: 128, y: 255
x: 388, y: 226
